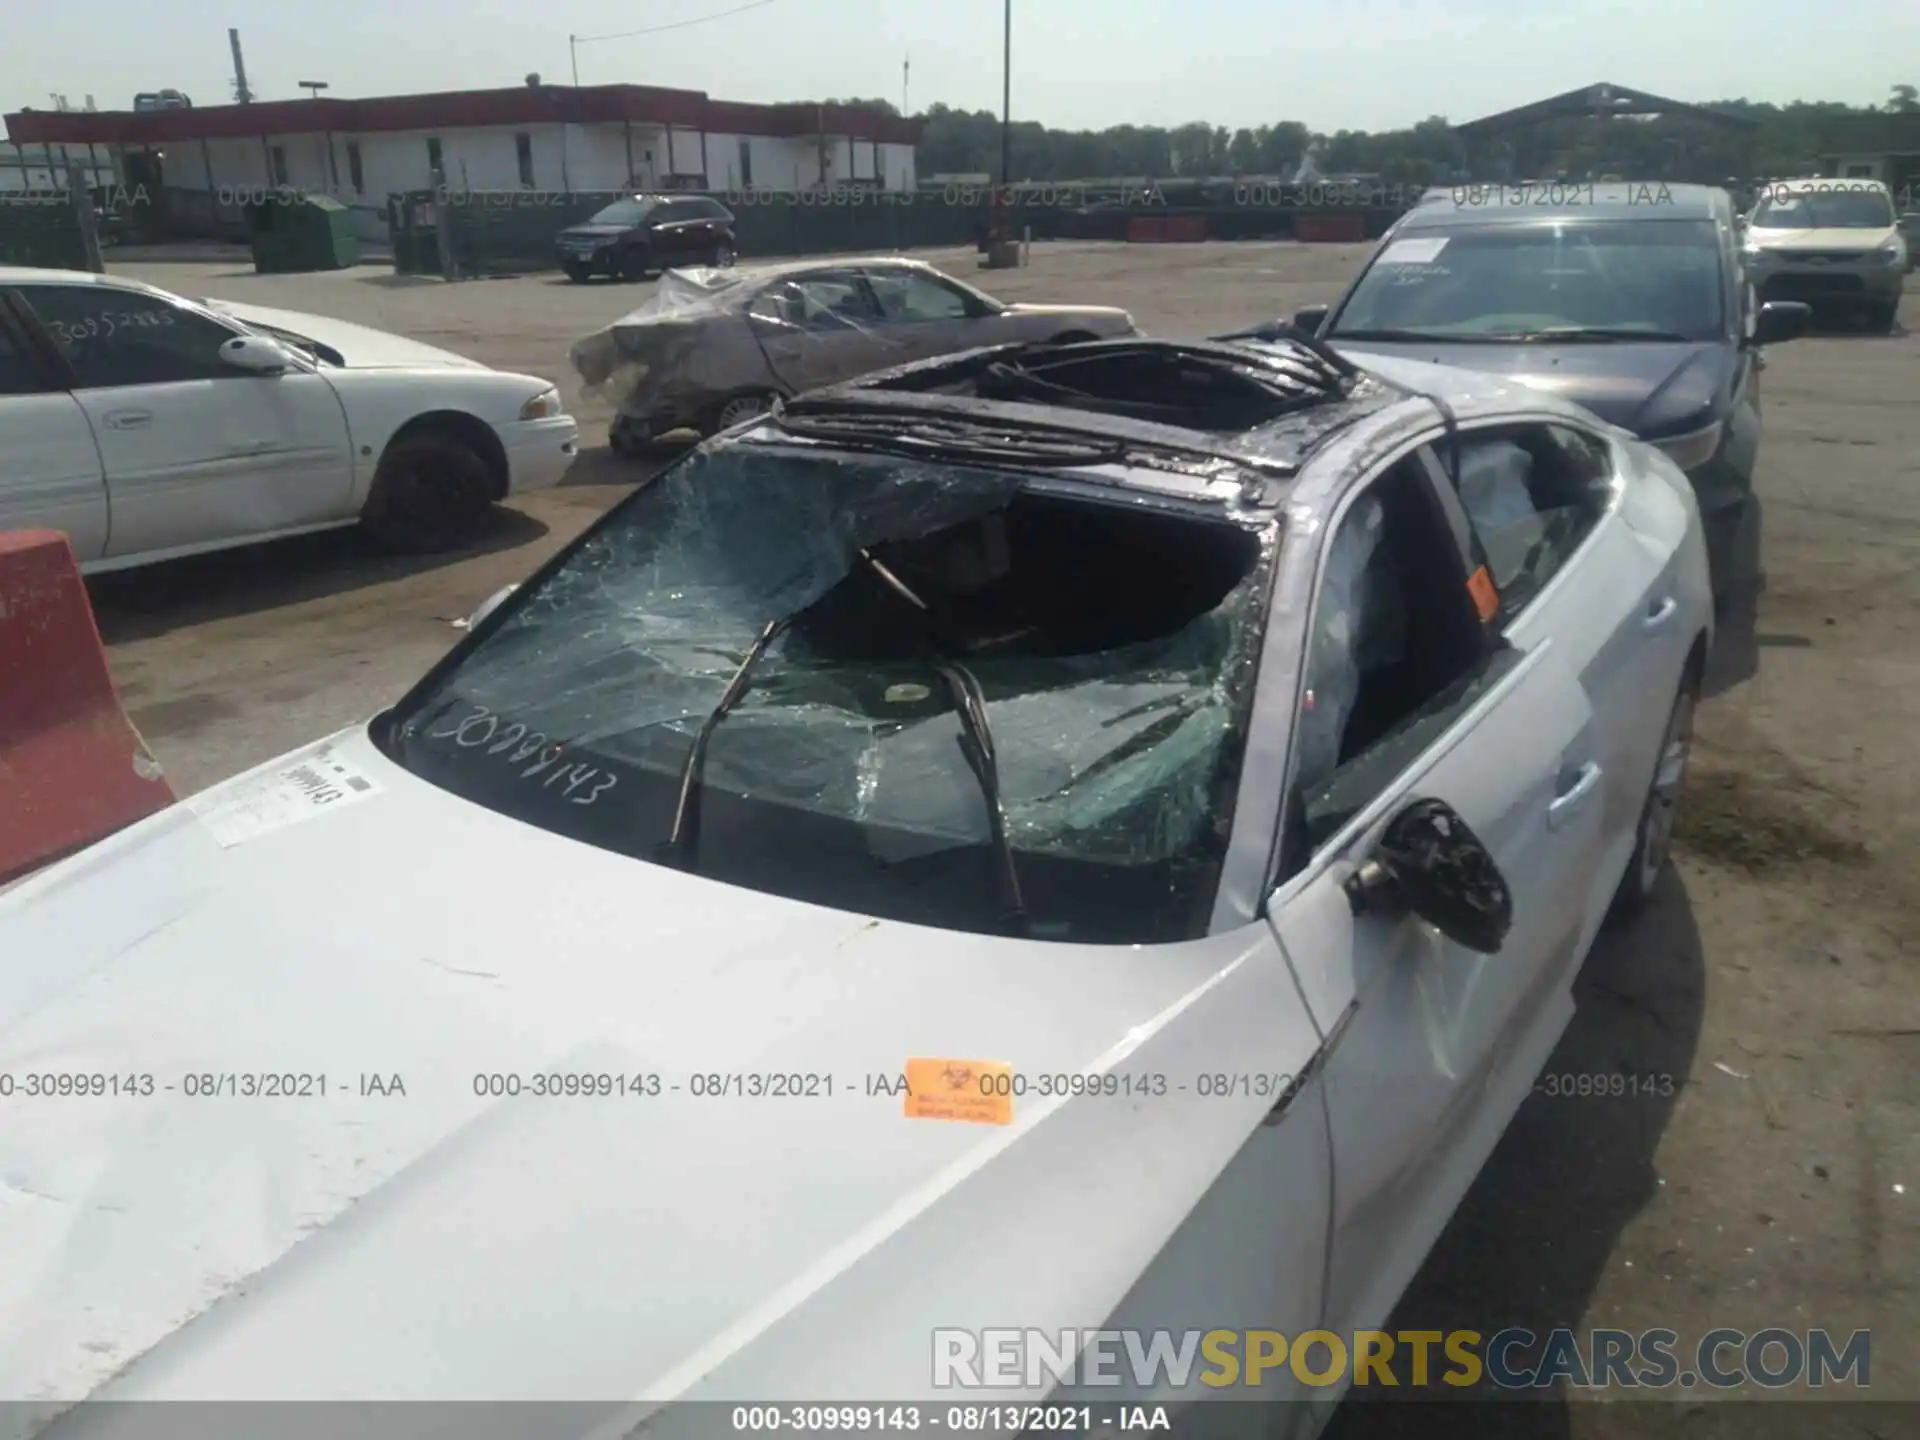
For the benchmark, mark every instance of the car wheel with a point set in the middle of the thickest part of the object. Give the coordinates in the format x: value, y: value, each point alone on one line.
x: 431, y: 493
x: 1653, y: 847
x: 723, y: 256
x: 1074, y: 337
x: 1883, y: 319
x: 576, y: 272
x: 736, y: 410
x: 633, y: 265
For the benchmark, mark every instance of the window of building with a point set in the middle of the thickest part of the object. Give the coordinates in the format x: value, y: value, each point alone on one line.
x: 279, y: 156
x: 746, y: 163
x: 523, y: 152
x: 435, y: 161
x: 354, y: 172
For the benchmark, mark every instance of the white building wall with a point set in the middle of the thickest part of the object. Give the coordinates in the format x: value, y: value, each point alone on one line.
x: 897, y: 168
x: 577, y: 157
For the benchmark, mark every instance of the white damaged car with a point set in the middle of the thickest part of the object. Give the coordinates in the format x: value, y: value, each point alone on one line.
x: 977, y: 848
x: 146, y: 426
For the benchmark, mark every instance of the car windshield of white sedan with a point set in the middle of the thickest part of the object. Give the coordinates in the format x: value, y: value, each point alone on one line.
x: 1109, y: 649
x: 1586, y: 281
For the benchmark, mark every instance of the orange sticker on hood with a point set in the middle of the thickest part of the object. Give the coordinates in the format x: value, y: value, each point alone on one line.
x: 980, y: 1091
x: 1486, y: 600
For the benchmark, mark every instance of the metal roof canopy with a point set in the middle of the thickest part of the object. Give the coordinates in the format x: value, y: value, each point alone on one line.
x: 1602, y: 101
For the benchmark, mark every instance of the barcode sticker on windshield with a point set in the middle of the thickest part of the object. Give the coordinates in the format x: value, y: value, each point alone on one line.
x: 1412, y: 252
x: 312, y: 785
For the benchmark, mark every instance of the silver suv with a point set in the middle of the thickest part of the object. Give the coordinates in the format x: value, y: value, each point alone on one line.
x: 1830, y: 243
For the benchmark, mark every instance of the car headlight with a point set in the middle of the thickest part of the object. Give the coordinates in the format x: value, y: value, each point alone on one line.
x: 543, y: 406
x: 1693, y: 449
x: 1894, y: 252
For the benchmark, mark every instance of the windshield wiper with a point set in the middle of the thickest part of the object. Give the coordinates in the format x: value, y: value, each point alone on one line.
x: 1420, y: 337
x: 680, y: 847
x: 1604, y: 332
x: 976, y: 743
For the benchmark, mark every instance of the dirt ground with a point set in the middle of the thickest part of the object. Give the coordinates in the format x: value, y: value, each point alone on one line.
x: 1776, y: 981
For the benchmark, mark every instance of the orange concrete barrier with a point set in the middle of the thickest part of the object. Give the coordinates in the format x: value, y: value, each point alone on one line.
x: 72, y: 768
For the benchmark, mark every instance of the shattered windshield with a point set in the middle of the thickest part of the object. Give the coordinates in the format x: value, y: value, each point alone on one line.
x: 1110, y: 647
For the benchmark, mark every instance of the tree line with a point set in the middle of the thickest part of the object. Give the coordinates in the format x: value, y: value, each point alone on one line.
x: 1788, y: 140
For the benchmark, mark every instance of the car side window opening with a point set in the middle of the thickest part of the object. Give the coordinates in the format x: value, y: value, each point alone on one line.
x: 912, y: 298
x: 1396, y: 652
x: 120, y: 337
x: 818, y: 302
x: 18, y: 375
x: 1532, y: 494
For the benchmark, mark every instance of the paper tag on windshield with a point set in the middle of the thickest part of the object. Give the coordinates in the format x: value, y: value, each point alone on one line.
x: 980, y: 1091
x: 316, y: 784
x: 1412, y: 252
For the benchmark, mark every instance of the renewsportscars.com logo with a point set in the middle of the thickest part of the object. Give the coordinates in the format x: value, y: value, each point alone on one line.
x: 1148, y: 1361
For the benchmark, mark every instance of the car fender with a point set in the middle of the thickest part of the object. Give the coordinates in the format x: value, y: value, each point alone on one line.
x: 379, y: 403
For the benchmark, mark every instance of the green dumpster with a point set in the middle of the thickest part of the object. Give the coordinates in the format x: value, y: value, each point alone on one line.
x: 292, y: 232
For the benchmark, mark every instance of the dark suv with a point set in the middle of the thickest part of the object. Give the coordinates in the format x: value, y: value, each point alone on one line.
x: 1628, y: 299
x: 645, y: 233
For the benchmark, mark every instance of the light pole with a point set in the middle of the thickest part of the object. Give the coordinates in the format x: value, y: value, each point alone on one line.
x: 1006, y: 101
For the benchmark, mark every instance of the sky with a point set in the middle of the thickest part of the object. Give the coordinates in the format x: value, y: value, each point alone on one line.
x: 1077, y: 64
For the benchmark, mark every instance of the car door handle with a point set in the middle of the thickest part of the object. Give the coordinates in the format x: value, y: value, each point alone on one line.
x: 1573, y: 788
x: 1660, y: 614
x: 128, y: 419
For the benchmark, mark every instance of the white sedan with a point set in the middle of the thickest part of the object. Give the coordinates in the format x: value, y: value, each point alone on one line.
x: 147, y: 426
x: 981, y: 847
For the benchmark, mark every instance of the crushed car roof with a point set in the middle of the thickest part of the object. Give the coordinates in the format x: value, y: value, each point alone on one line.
x: 1236, y: 416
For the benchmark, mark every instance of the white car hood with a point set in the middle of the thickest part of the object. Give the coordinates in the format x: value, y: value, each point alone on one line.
x: 362, y: 348
x: 443, y: 1245
x: 1846, y: 238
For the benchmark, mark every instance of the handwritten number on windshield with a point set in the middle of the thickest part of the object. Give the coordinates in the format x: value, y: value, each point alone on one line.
x: 581, y: 784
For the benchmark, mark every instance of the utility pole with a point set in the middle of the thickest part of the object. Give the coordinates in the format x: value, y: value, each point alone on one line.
x: 906, y: 71
x: 1006, y: 101
x: 241, y: 94
x: 573, y: 49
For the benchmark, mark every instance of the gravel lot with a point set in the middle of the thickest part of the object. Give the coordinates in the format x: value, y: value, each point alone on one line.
x: 1786, y: 1192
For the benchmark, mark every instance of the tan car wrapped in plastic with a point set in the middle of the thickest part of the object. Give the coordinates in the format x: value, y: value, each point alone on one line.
x: 713, y: 347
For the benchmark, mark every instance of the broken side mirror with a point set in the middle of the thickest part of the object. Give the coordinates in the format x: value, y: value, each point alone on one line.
x: 1781, y: 320
x: 1310, y: 318
x: 1430, y: 864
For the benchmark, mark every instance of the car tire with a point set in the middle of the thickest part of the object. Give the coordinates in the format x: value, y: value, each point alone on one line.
x: 1884, y: 319
x: 1653, y: 840
x: 633, y: 265
x: 735, y: 409
x: 431, y: 493
x: 723, y: 257
x: 576, y: 272
x: 1074, y: 337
